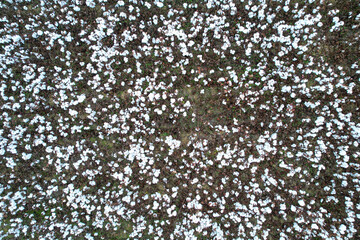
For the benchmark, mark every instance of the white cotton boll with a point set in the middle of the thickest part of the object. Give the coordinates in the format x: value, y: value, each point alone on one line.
x: 198, y: 206
x: 293, y: 208
x: 68, y: 38
x: 127, y: 170
x: 159, y: 4
x: 253, y: 8
x: 10, y: 163
x: 138, y: 65
x: 170, y: 58
x: 344, y: 165
x: 73, y: 113
x: 163, y: 107
x: 151, y: 96
x: 267, y: 147
x: 126, y: 199
x: 109, y: 31
x: 90, y: 3
x: 256, y: 38
x: 194, y: 181
x: 267, y: 210
x: 122, y: 14
x: 155, y: 180
x: 261, y: 139
x: 158, y: 111
x: 26, y: 156
x: 344, y: 183
x: 342, y: 228
x: 301, y: 203
x: 148, y: 5
x: 314, y: 226
x: 187, y: 104
x: 320, y: 121
x: 137, y: 93
x: 270, y: 18
x: 286, y: 89
x: 169, y: 211
x: 156, y: 205
x: 272, y: 181
x: 147, y: 118
x: 342, y: 153
x: 81, y: 98
x: 286, y: 9
x: 248, y: 51
x: 225, y: 46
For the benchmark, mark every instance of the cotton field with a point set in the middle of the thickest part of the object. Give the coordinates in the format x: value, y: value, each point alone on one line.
x: 169, y: 119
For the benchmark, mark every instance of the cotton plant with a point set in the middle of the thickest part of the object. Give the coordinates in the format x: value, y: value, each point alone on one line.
x: 96, y: 113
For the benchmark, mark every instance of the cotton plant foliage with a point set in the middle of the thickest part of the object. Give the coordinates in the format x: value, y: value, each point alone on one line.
x: 179, y: 119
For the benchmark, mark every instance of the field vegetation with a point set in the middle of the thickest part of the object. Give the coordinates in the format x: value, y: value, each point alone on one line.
x: 189, y: 119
